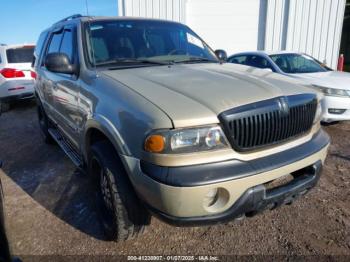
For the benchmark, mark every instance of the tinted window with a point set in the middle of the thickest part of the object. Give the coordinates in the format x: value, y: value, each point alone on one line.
x: 297, y: 63
x: 20, y: 55
x: 109, y: 41
x: 238, y: 60
x: 55, y: 43
x: 258, y: 61
x: 67, y: 44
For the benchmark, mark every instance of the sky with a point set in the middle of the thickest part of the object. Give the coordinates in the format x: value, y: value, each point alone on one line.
x: 23, y: 20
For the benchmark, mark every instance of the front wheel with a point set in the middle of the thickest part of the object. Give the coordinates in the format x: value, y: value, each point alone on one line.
x: 4, y: 107
x: 44, y: 124
x: 122, y: 214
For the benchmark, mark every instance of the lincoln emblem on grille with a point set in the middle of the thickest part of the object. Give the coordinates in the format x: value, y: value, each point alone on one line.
x: 283, y: 105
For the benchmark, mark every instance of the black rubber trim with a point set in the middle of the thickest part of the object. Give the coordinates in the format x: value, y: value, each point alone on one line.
x: 204, y: 174
x: 254, y: 200
x: 22, y: 96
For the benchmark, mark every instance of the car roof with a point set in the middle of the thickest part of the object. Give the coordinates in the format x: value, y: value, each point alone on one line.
x: 266, y: 53
x: 79, y: 18
x: 4, y: 46
x: 283, y: 52
x: 123, y: 18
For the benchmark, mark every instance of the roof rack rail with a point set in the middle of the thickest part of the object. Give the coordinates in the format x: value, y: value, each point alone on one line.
x: 69, y: 18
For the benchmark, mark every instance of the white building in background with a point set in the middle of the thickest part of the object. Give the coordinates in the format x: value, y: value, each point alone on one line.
x: 310, y: 26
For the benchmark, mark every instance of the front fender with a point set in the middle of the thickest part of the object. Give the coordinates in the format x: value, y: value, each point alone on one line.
x: 106, y: 127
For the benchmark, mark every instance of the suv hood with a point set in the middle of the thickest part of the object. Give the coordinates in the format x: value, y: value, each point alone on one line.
x: 332, y: 79
x: 194, y: 94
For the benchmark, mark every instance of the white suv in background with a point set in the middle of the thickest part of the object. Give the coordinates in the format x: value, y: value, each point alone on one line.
x: 16, y: 77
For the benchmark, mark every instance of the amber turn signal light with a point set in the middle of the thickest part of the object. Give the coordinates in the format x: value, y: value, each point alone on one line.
x: 155, y: 144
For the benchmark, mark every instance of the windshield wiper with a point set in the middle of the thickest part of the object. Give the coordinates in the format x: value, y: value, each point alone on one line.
x: 196, y: 59
x: 128, y: 61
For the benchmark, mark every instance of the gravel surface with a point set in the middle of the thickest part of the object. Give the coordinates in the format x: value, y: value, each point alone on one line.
x: 50, y: 207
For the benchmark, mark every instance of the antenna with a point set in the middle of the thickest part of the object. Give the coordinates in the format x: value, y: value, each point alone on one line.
x: 87, y: 7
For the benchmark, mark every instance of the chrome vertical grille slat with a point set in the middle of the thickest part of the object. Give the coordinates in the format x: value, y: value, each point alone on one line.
x: 269, y: 122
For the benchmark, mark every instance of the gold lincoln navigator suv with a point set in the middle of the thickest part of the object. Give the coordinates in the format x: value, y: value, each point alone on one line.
x: 164, y: 126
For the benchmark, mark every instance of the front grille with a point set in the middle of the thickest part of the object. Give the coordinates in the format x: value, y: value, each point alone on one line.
x: 269, y: 122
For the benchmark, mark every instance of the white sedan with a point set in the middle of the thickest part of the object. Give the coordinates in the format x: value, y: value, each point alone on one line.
x: 16, y: 77
x: 334, y: 84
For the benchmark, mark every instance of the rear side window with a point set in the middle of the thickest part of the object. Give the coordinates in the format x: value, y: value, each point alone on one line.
x: 258, y: 61
x: 238, y: 60
x: 67, y: 44
x: 54, y: 46
x: 20, y: 55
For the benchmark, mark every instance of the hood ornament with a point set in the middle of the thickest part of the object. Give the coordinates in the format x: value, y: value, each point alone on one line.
x: 283, y: 106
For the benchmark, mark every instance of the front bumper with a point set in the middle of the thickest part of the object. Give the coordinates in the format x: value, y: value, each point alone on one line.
x: 255, y: 200
x: 22, y: 96
x: 333, y: 102
x: 178, y: 197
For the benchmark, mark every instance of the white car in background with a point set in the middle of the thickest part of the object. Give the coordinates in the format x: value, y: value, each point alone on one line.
x: 334, y: 84
x: 16, y: 77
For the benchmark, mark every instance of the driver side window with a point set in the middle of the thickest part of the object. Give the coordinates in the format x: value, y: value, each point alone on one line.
x: 55, y: 43
x: 62, y: 42
x: 302, y: 62
x: 67, y: 44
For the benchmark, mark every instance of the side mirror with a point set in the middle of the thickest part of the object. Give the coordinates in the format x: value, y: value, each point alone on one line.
x: 59, y: 63
x: 221, y: 54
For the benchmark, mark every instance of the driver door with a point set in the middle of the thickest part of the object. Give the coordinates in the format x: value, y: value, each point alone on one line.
x: 64, y: 88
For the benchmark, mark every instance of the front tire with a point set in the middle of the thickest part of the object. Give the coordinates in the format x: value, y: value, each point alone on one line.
x: 4, y: 107
x: 44, y: 124
x: 122, y: 214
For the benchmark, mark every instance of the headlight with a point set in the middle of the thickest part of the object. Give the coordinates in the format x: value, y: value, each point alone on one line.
x: 318, y: 113
x: 186, y: 140
x: 333, y: 92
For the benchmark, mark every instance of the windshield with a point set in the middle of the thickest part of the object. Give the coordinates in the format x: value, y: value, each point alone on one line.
x: 297, y: 64
x: 124, y: 42
x: 20, y: 55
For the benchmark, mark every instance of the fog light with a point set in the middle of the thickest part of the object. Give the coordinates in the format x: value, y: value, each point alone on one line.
x: 211, y: 197
x: 336, y: 111
x: 216, y: 200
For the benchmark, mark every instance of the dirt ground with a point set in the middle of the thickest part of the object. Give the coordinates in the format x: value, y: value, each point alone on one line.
x: 50, y: 207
